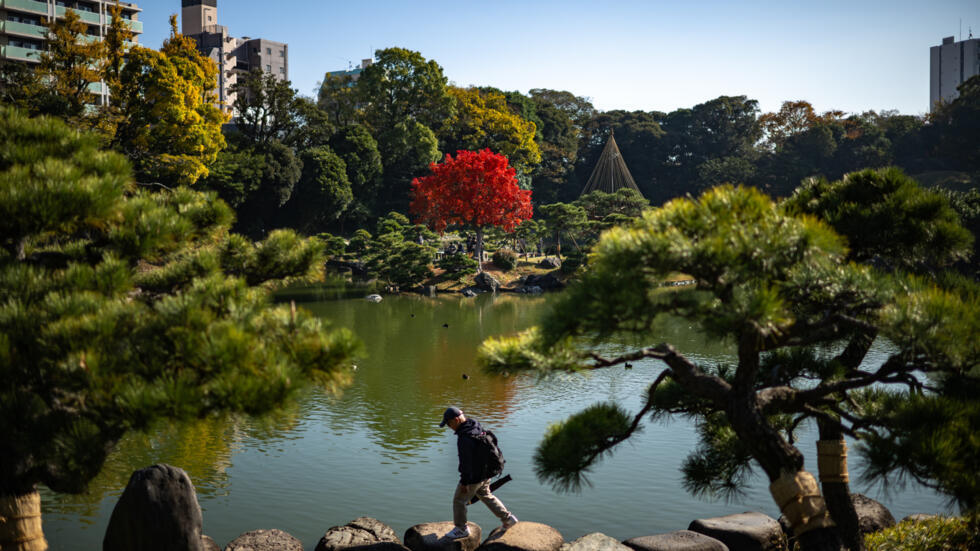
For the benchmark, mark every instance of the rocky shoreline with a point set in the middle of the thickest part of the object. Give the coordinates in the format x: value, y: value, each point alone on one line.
x: 159, y: 511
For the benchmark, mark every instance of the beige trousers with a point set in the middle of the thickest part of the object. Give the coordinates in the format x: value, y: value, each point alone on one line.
x: 465, y: 492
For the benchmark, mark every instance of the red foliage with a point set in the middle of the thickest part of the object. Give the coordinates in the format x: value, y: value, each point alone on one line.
x: 477, y: 188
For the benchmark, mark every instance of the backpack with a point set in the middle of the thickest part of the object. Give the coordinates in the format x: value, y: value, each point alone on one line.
x: 490, y: 459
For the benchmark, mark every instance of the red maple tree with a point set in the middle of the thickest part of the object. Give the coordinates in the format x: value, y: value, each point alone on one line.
x: 475, y: 189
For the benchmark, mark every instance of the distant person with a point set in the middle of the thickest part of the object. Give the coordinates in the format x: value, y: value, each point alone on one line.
x: 474, y: 478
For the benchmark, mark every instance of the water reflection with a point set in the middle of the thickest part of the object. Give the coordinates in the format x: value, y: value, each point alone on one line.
x: 202, y: 447
x: 418, y: 351
x: 328, y: 459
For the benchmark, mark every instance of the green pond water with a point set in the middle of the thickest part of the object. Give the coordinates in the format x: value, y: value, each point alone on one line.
x: 377, y: 450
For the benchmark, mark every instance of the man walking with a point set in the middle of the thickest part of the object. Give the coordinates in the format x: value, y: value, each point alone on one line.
x: 472, y: 477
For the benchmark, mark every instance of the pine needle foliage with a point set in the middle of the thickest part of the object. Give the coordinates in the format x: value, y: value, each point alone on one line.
x: 783, y: 287
x: 887, y: 217
x: 569, y: 448
x: 120, y: 306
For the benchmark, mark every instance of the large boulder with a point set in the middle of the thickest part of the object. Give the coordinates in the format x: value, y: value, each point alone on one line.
x: 486, y: 282
x: 548, y: 282
x: 872, y: 516
x: 158, y: 510
x: 681, y: 540
x: 549, y: 263
x: 595, y: 541
x: 524, y: 536
x: 265, y: 540
x: 747, y: 531
x: 208, y: 544
x: 431, y: 536
x: 358, y: 532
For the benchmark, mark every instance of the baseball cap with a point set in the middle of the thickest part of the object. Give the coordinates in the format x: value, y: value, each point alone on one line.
x: 452, y: 412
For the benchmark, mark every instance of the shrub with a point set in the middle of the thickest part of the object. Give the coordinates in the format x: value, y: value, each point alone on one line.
x: 457, y: 264
x: 572, y: 262
x: 334, y: 245
x: 935, y: 534
x: 505, y: 259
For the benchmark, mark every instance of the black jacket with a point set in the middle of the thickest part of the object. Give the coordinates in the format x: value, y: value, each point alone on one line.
x: 470, y: 469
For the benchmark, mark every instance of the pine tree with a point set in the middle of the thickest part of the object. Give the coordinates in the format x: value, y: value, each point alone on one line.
x: 781, y: 289
x: 121, y: 306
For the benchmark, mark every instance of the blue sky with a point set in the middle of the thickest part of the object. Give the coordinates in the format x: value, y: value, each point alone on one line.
x: 648, y: 55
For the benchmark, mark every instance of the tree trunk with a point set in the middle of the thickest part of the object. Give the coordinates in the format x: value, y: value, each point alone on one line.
x: 837, y: 490
x: 558, y: 244
x: 479, y: 250
x: 794, y: 490
x: 20, y: 523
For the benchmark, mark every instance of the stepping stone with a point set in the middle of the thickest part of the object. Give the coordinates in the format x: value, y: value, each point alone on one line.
x: 431, y: 536
x: 681, y: 540
x: 524, y: 536
x: 749, y: 531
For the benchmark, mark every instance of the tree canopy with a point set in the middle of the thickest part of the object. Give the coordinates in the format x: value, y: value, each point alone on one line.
x: 780, y: 288
x: 169, y: 128
x: 475, y: 189
x: 123, y: 306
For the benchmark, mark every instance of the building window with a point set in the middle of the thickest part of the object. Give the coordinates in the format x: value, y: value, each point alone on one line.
x: 268, y: 51
x: 209, y: 19
x: 282, y: 53
x: 268, y: 68
x: 282, y: 70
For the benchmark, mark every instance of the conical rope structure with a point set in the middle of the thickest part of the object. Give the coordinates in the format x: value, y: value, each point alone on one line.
x: 610, y: 172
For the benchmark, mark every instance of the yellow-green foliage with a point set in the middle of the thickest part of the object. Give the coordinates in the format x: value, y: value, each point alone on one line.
x: 169, y: 126
x: 483, y: 120
x: 935, y: 534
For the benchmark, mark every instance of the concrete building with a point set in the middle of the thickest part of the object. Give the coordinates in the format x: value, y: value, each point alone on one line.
x: 950, y: 64
x: 234, y: 56
x: 23, y: 36
x: 354, y: 73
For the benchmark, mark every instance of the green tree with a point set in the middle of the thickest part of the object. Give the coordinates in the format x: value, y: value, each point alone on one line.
x: 400, y: 85
x: 267, y: 107
x: 169, y: 130
x: 125, y: 306
x: 323, y: 191
x: 407, y: 149
x: 338, y: 98
x: 780, y: 288
x: 359, y: 150
x: 280, y: 168
x: 887, y: 219
x: 405, y: 101
x: 400, y: 253
x: 563, y: 219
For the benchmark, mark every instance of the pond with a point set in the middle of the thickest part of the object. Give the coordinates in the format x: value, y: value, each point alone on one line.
x: 377, y: 450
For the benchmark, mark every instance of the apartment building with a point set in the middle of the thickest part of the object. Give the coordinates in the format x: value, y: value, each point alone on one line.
x: 950, y: 64
x: 234, y: 56
x: 23, y: 35
x: 354, y: 73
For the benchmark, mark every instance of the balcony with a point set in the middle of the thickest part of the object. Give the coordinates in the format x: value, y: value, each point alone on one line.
x: 23, y: 29
x: 136, y: 26
x: 16, y: 52
x: 86, y: 16
x: 25, y: 5
x: 95, y: 87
